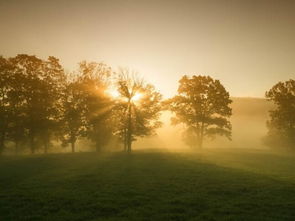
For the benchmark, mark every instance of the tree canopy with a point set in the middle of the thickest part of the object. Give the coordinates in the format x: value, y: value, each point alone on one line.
x: 281, y: 126
x: 137, y: 109
x: 202, y: 105
x: 41, y: 105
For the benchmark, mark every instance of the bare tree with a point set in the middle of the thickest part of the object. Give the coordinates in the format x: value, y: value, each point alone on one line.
x: 137, y: 110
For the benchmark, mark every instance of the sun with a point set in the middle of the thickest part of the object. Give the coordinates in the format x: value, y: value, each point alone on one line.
x: 116, y: 95
x: 136, y: 97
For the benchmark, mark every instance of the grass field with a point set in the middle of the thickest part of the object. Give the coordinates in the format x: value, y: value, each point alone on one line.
x: 148, y: 185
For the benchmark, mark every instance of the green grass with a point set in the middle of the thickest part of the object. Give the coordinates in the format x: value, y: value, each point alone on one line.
x: 146, y: 185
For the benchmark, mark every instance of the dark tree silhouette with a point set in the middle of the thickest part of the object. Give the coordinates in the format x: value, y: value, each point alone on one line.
x: 137, y: 110
x: 17, y: 107
x: 281, y: 126
x: 41, y: 91
x: 202, y: 105
x: 54, y: 86
x: 6, y: 72
x: 95, y: 79
x: 39, y: 102
x: 87, y: 106
x: 73, y: 122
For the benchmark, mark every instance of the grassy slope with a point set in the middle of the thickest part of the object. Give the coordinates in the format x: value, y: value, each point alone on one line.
x: 213, y: 185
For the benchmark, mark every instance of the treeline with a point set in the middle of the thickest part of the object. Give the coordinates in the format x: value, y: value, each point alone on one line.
x: 40, y: 105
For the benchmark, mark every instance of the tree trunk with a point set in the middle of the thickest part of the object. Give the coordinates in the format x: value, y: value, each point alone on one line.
x: 197, y: 145
x: 32, y: 144
x: 16, y: 151
x: 129, y: 146
x: 201, y: 136
x: 73, y: 141
x: 125, y: 140
x: 46, y: 147
x: 73, y: 147
x: 129, y: 134
x: 1, y: 145
x: 2, y: 140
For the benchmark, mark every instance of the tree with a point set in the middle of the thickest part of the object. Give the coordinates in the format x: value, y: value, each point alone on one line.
x: 73, y: 123
x: 17, y: 115
x: 54, y: 84
x: 281, y: 126
x: 137, y: 110
x: 202, y: 105
x: 11, y: 104
x: 42, y: 84
x: 6, y: 71
x: 95, y: 79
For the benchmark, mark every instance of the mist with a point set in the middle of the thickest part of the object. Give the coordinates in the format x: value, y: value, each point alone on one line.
x: 248, y: 129
x: 147, y: 110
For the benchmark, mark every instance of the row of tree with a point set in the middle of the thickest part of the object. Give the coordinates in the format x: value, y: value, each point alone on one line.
x: 41, y: 104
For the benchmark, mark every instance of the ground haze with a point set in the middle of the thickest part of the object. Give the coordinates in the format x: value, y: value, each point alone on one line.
x: 248, y: 128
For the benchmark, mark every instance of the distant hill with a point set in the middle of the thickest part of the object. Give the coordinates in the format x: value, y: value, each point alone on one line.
x: 251, y: 106
x: 248, y: 122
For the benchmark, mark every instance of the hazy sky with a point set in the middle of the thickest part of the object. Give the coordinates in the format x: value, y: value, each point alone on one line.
x: 248, y: 45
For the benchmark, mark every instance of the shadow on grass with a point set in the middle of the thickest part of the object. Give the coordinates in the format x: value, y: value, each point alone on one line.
x: 141, y: 186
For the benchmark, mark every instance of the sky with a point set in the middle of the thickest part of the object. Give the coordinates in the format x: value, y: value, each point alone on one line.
x: 248, y: 45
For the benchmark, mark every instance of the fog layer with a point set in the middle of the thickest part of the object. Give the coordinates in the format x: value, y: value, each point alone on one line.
x: 248, y: 128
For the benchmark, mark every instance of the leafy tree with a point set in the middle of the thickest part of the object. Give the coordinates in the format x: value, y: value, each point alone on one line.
x: 54, y: 84
x: 281, y: 126
x: 94, y: 79
x: 17, y: 116
x: 6, y: 70
x: 137, y: 110
x: 42, y: 84
x: 30, y: 68
x: 202, y: 105
x: 73, y: 123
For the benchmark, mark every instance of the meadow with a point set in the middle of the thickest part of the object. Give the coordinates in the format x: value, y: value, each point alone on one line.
x: 223, y: 184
